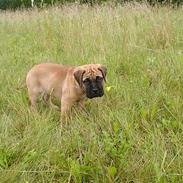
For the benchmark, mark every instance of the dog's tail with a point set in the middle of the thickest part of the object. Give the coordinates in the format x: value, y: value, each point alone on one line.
x: 21, y: 85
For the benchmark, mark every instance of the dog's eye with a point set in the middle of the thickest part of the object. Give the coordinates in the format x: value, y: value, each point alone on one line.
x: 98, y: 78
x: 87, y: 80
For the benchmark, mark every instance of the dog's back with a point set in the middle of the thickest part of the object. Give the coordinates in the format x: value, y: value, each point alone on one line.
x: 44, y: 77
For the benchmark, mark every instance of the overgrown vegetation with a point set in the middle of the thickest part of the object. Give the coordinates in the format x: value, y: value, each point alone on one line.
x: 17, y: 4
x: 133, y: 134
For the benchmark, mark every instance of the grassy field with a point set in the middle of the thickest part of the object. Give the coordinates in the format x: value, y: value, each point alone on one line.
x: 133, y: 134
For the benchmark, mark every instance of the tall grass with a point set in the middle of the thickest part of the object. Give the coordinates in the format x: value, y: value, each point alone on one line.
x: 133, y: 134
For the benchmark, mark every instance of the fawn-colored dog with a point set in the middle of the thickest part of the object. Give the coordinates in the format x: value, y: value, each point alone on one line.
x: 69, y: 84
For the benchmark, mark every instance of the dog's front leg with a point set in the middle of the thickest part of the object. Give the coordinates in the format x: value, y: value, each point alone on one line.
x: 66, y: 104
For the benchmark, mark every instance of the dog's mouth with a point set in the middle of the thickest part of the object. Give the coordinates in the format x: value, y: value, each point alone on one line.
x: 91, y: 95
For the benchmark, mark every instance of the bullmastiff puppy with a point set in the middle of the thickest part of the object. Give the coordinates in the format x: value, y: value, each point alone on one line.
x: 67, y: 83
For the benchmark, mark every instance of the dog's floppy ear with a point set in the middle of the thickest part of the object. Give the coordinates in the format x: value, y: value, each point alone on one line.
x: 78, y: 75
x: 103, y: 70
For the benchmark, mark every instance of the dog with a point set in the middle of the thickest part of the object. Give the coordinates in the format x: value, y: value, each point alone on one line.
x: 67, y: 83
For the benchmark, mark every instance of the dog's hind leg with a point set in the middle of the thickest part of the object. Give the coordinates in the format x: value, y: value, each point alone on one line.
x: 47, y: 100
x: 32, y: 99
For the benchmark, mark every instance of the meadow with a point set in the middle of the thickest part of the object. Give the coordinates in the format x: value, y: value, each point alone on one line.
x: 132, y: 134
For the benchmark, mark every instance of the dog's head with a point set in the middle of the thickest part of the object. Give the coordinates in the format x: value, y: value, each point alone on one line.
x: 91, y: 78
